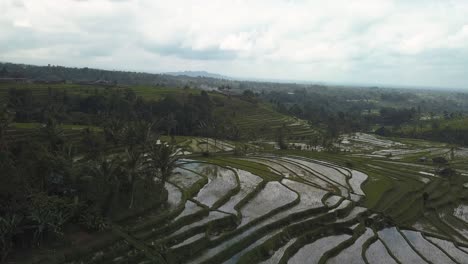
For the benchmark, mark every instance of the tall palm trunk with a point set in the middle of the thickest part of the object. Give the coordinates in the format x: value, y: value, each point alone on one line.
x: 132, y: 192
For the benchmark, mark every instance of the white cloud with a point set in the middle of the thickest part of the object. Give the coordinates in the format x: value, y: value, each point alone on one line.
x: 459, y: 39
x: 336, y: 40
x: 239, y: 42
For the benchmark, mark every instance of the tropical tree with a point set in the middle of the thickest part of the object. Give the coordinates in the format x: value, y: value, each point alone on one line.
x: 105, y: 176
x: 163, y: 159
x: 133, y: 168
x: 137, y: 134
x: 113, y: 130
x: 170, y: 123
x: 9, y: 226
x: 53, y: 134
x: 5, y: 121
x: 280, y: 137
x: 49, y: 214
x: 66, y: 166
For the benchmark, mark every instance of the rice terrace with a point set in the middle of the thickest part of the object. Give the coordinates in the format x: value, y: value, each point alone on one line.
x: 224, y: 132
x: 264, y: 186
x: 300, y: 207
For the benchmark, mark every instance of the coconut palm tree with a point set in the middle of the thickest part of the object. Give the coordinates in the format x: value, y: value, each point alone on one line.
x: 105, y: 174
x: 53, y: 134
x: 9, y: 226
x: 133, y: 168
x: 66, y: 163
x: 163, y: 159
x: 5, y: 121
x: 137, y: 134
x: 113, y: 130
x: 170, y: 123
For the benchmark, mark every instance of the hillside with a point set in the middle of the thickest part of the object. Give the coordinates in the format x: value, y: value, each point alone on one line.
x: 249, y: 182
x: 451, y: 128
x: 198, y: 74
x: 252, y: 118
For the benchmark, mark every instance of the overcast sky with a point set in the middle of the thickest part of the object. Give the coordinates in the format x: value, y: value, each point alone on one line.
x: 401, y: 42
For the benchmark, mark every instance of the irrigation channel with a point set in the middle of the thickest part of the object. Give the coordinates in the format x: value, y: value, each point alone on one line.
x: 290, y: 209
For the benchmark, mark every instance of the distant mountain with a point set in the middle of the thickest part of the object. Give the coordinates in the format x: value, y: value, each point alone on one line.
x: 54, y: 73
x: 198, y: 74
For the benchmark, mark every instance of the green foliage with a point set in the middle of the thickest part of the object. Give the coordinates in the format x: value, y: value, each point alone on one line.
x: 93, y: 221
x: 133, y: 169
x: 87, y: 155
x: 103, y: 182
x: 439, y: 161
x: 49, y: 214
x: 280, y: 137
x: 5, y: 122
x: 163, y: 159
x: 51, y: 183
x: 91, y: 142
x: 452, y: 130
x: 9, y: 227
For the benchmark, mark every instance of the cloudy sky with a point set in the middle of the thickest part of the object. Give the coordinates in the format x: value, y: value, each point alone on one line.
x: 401, y: 42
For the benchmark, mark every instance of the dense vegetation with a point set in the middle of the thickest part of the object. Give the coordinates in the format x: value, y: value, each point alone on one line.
x: 333, y: 109
x: 77, y: 157
x: 121, y: 156
x: 433, y: 115
x: 449, y: 128
x: 54, y: 179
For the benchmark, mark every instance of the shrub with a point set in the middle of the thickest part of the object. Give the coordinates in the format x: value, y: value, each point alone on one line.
x: 8, y: 228
x: 49, y: 214
x: 92, y: 221
x: 349, y: 164
x: 440, y: 160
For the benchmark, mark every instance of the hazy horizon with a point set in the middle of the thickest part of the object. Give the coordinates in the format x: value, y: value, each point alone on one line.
x: 268, y: 80
x: 368, y: 42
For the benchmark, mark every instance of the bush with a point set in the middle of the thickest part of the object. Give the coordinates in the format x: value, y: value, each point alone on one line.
x: 49, y: 214
x: 440, y: 160
x: 8, y: 229
x: 349, y: 164
x: 92, y: 221
x: 446, y: 172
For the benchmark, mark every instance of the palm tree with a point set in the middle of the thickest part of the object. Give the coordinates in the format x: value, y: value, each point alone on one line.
x: 53, y: 134
x: 133, y: 166
x: 67, y: 162
x: 163, y: 159
x: 113, y: 130
x: 5, y: 121
x: 138, y: 133
x: 8, y: 228
x: 106, y: 175
x: 171, y: 123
